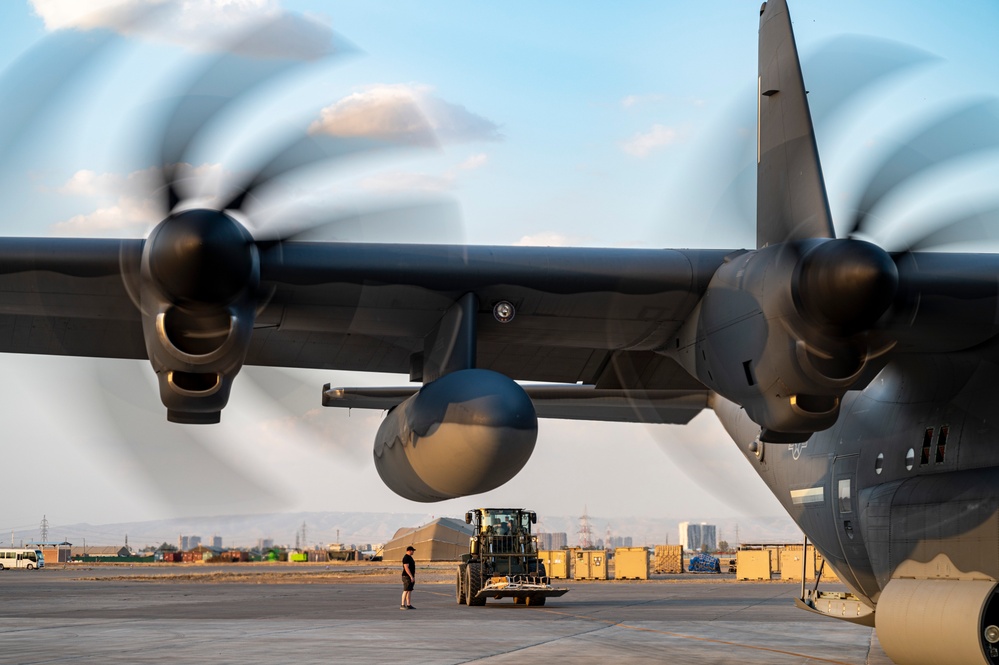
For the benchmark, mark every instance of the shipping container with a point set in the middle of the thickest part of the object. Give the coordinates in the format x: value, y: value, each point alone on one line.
x: 556, y: 563
x: 631, y: 563
x: 753, y: 565
x: 790, y: 563
x: 589, y: 565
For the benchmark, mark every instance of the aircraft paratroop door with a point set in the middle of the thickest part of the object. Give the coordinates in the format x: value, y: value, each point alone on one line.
x: 848, y: 528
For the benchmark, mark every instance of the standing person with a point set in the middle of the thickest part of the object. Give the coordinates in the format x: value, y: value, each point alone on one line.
x: 408, y: 578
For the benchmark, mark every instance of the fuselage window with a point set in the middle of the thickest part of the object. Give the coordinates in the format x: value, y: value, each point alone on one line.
x: 942, y: 443
x: 924, y: 458
x: 910, y: 459
x: 844, y: 496
x: 879, y: 463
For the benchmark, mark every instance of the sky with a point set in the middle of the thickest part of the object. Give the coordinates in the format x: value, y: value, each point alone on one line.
x: 562, y: 123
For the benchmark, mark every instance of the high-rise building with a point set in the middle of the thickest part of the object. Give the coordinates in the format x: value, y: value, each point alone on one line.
x: 709, y: 536
x: 695, y: 536
x: 194, y: 541
x: 217, y: 542
x: 553, y: 541
x: 182, y: 543
x: 620, y: 541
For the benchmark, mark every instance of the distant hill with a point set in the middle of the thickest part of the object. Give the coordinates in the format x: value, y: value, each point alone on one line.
x: 372, y: 528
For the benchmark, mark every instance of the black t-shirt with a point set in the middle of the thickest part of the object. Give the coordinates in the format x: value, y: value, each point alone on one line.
x: 412, y: 564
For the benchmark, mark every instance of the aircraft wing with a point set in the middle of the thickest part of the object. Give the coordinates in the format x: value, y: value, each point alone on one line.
x: 592, y: 320
x: 591, y: 316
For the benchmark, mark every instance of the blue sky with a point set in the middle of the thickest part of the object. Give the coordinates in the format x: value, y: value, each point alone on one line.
x: 601, y: 124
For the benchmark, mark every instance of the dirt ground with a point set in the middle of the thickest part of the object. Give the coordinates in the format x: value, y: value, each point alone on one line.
x: 312, y: 573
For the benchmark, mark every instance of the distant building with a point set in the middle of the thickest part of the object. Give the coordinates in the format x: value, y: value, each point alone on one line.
x: 620, y: 541
x: 695, y: 536
x: 100, y: 551
x: 53, y: 552
x: 553, y: 541
x: 217, y: 542
x: 194, y: 542
x: 265, y: 544
x: 709, y: 536
x: 444, y: 539
x: 182, y: 543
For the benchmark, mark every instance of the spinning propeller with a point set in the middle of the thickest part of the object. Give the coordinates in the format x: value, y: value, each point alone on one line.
x: 840, y: 288
x: 197, y: 279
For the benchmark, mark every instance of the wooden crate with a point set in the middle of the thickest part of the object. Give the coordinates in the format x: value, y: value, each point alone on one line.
x: 668, y: 559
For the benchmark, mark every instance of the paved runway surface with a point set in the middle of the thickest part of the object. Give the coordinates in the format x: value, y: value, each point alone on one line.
x: 53, y: 616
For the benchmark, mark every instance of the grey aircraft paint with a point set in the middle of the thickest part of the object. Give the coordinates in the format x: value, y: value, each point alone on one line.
x: 859, y: 384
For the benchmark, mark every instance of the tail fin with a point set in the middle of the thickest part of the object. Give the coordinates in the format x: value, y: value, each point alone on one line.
x: 791, y: 201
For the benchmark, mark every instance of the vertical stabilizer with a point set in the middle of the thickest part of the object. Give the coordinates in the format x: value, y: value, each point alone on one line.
x: 791, y: 201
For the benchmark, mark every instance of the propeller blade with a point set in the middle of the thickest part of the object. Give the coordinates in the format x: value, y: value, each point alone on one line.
x: 837, y: 73
x: 845, y: 67
x: 967, y: 130
x: 405, y: 220
x: 176, y: 465
x: 974, y: 227
x: 297, y: 397
x: 33, y: 86
x: 254, y: 58
x: 316, y: 147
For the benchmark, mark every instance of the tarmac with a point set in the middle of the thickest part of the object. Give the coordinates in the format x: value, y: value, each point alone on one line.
x: 210, y: 614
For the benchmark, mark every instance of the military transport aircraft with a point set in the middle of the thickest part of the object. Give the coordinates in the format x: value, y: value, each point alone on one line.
x: 858, y: 383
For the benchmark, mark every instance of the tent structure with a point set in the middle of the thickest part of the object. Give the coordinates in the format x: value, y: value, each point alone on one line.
x: 444, y: 539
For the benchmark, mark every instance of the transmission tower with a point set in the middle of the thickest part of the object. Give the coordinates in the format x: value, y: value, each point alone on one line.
x: 585, y: 532
x: 44, y: 529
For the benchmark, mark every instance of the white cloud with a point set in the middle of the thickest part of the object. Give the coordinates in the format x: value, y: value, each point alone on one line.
x: 403, y: 113
x: 130, y: 202
x: 261, y: 26
x: 643, y: 143
x: 127, y: 214
x: 634, y: 100
x: 474, y: 162
x: 91, y: 183
x: 408, y: 181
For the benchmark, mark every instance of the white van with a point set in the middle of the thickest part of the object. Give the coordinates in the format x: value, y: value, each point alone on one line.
x: 21, y: 558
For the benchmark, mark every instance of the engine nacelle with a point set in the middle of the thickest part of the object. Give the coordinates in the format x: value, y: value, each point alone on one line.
x: 198, y: 276
x: 927, y: 622
x: 784, y: 331
x: 466, y: 433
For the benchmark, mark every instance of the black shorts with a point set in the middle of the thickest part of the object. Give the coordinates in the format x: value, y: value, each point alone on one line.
x: 408, y: 583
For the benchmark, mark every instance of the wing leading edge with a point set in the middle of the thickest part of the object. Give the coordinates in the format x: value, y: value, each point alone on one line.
x: 582, y: 315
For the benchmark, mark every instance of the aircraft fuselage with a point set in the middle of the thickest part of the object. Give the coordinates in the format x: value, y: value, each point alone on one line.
x: 903, y: 484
